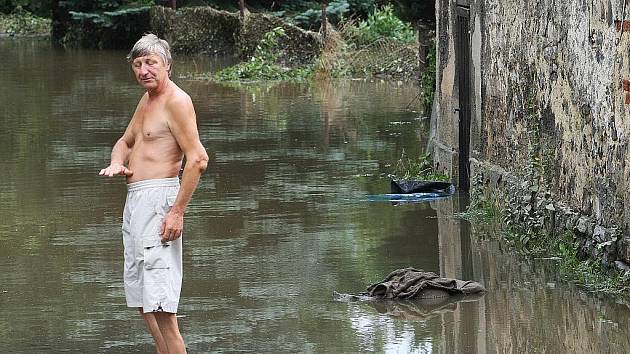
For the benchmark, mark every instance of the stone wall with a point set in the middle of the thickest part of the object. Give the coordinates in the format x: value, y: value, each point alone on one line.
x: 549, y: 138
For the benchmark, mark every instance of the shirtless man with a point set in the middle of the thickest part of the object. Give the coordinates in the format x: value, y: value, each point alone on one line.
x: 161, y: 132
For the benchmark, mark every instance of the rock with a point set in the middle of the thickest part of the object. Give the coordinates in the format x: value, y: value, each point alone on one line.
x: 583, y: 225
x: 621, y: 265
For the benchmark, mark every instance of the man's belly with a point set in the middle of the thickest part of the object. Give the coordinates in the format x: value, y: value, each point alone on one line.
x: 143, y: 170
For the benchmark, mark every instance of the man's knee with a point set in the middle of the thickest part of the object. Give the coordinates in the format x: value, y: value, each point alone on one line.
x: 166, y: 321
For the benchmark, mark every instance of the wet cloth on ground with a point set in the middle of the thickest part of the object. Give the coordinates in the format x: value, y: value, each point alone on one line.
x: 409, y: 283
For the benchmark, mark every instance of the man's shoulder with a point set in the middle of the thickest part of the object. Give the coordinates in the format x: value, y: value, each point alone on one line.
x: 179, y: 104
x: 179, y: 98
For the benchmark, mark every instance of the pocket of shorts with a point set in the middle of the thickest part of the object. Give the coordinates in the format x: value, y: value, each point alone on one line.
x: 156, y: 254
x: 162, y: 209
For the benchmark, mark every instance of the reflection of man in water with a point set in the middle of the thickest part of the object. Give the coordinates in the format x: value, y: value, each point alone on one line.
x: 161, y: 132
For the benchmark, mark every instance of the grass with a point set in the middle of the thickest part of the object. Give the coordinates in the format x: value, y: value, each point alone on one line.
x: 482, y: 212
x: 420, y: 168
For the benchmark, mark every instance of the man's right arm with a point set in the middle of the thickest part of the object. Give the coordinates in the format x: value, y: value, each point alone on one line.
x: 121, y: 150
x: 120, y: 154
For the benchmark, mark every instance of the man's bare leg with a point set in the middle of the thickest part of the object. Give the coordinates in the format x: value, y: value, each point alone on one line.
x: 152, y: 325
x: 167, y: 322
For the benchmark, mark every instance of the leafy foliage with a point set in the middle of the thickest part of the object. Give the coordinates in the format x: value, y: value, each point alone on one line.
x: 312, y: 17
x: 427, y: 80
x: 264, y: 63
x: 383, y: 23
x: 107, y: 18
x: 22, y: 22
x: 39, y: 8
x: 420, y: 168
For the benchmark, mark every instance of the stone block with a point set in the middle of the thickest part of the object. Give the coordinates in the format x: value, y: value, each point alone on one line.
x: 584, y: 225
x: 599, y: 234
x: 622, y: 24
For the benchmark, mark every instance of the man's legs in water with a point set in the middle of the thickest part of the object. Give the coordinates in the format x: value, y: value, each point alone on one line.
x: 167, y: 322
x: 152, y: 325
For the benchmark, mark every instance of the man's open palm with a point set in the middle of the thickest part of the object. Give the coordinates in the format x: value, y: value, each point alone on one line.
x: 115, y: 170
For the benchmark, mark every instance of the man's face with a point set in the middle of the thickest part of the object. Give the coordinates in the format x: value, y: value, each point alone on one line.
x: 150, y: 70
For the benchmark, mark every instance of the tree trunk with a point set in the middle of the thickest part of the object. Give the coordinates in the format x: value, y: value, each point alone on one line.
x: 422, y: 50
x: 324, y: 19
x: 241, y: 6
x: 174, y: 4
x: 60, y: 20
x: 423, y: 45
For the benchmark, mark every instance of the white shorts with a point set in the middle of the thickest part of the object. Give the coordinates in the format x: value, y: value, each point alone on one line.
x: 153, y: 270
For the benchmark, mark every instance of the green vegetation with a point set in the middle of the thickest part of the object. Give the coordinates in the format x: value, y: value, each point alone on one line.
x: 381, y: 45
x: 586, y: 273
x: 107, y: 19
x: 39, y: 8
x: 22, y: 22
x: 264, y: 64
x: 382, y: 23
x: 480, y: 211
x: 311, y: 18
x: 427, y: 79
x: 420, y: 168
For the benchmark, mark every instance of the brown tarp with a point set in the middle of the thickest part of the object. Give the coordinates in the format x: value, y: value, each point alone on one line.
x: 411, y: 283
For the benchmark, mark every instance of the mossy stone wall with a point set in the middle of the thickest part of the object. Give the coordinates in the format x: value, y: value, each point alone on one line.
x: 299, y: 47
x: 197, y: 29
x: 210, y: 31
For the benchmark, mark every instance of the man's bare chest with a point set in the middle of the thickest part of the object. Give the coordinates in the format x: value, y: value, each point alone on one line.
x: 152, y: 126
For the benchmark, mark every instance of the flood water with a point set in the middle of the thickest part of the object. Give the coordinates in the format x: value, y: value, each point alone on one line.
x: 279, y: 222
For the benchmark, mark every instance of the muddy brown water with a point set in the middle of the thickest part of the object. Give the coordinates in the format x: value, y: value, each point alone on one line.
x: 279, y: 222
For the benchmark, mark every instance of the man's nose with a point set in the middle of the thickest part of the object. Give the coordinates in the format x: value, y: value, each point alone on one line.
x: 142, y: 70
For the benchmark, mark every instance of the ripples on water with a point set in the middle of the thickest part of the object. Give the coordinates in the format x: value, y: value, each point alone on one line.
x: 279, y: 221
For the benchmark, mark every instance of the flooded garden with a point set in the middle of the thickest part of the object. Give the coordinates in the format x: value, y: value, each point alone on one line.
x: 280, y: 221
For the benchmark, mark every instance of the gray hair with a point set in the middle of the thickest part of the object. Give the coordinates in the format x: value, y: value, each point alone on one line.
x: 151, y: 44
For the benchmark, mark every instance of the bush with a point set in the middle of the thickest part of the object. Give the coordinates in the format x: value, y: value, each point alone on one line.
x: 382, y: 23
x: 22, y: 22
x: 313, y: 17
x: 420, y: 168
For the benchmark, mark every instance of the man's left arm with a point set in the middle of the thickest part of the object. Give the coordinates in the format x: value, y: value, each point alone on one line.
x: 183, y: 126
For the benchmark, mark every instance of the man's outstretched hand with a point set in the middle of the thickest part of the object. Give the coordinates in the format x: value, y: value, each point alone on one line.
x: 116, y: 170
